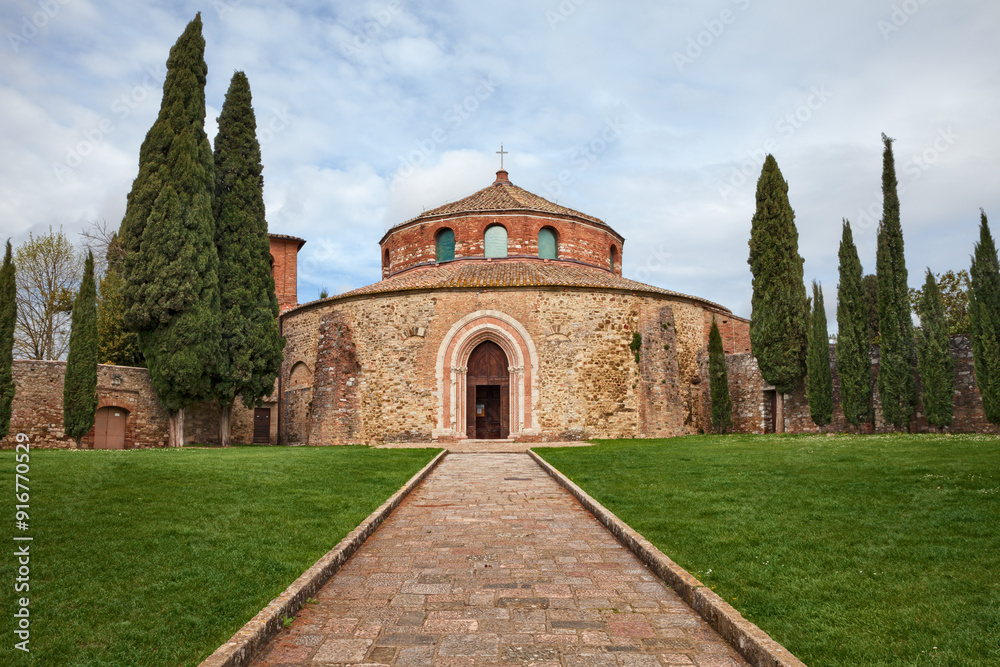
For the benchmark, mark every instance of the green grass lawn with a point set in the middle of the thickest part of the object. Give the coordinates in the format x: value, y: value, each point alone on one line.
x: 156, y: 557
x: 848, y: 550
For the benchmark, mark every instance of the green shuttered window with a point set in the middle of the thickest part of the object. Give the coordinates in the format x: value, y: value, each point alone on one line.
x: 547, y: 243
x: 445, y: 248
x: 495, y: 241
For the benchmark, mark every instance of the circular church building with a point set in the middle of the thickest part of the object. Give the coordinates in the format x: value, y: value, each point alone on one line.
x: 499, y: 316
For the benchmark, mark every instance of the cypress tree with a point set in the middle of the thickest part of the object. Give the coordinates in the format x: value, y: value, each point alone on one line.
x: 853, y: 356
x: 250, y: 354
x: 170, y: 266
x: 870, y: 284
x: 722, y: 403
x: 937, y: 368
x: 895, y: 379
x: 115, y: 343
x: 8, y: 318
x: 779, y: 321
x: 984, y: 314
x: 80, y: 383
x: 819, y: 381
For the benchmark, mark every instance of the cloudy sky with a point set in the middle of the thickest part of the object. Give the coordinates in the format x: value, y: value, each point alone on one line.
x: 652, y: 115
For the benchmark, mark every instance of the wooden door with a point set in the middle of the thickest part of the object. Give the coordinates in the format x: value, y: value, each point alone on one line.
x: 489, y: 412
x: 262, y: 425
x: 109, y: 428
x: 488, y: 393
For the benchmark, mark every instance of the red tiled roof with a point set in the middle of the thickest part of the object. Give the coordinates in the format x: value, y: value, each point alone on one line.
x: 286, y: 237
x: 481, y: 273
x: 503, y: 196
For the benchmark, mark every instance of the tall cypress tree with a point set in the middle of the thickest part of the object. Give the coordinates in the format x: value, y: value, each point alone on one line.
x: 722, y: 402
x: 80, y: 382
x: 870, y: 285
x: 937, y: 368
x: 8, y: 318
x: 819, y: 381
x: 895, y: 379
x: 984, y: 314
x: 853, y: 358
x: 779, y: 322
x: 251, y: 344
x: 170, y: 265
x: 115, y: 343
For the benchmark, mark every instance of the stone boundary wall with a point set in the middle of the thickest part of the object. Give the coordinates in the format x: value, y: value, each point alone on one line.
x: 751, y: 408
x: 37, y: 410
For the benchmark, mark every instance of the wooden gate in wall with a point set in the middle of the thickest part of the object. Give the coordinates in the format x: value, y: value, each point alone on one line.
x: 109, y: 428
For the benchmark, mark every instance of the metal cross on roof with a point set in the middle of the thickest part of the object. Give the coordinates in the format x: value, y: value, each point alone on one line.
x: 501, y: 153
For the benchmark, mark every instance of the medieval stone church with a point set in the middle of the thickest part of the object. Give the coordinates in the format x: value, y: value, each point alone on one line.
x: 499, y: 316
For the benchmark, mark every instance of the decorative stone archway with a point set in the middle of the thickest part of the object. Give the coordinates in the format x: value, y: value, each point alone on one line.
x: 452, y: 368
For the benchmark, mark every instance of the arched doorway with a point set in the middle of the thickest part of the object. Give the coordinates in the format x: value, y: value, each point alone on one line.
x: 109, y: 428
x: 488, y: 387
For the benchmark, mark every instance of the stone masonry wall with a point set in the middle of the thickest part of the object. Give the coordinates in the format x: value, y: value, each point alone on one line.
x: 749, y: 408
x: 659, y: 376
x: 588, y: 383
x: 38, y: 409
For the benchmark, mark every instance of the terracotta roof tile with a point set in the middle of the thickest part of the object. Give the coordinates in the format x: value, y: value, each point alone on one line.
x: 503, y: 196
x: 472, y: 273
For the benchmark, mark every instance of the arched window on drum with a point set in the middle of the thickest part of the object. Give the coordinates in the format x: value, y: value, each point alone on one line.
x: 495, y: 241
x: 444, y: 246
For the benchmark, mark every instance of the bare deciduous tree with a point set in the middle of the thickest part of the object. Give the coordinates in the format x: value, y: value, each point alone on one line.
x: 48, y: 272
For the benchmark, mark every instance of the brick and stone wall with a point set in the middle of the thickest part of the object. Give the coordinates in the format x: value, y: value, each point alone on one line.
x: 380, y: 365
x: 735, y: 331
x: 751, y: 403
x: 581, y: 241
x: 37, y: 410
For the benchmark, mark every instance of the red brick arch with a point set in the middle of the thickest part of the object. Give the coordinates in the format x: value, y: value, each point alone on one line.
x: 452, y: 366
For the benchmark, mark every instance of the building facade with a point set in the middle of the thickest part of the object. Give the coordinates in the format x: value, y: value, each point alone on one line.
x: 498, y: 316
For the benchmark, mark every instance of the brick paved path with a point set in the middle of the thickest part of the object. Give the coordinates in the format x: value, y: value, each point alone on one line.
x: 490, y: 562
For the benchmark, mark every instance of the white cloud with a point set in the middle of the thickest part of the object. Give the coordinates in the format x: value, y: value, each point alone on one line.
x: 353, y: 145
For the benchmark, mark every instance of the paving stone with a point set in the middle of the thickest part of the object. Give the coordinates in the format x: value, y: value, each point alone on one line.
x: 470, y: 645
x: 529, y: 654
x: 342, y: 650
x: 490, y: 562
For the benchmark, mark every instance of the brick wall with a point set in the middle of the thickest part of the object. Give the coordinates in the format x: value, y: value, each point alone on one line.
x: 577, y: 240
x: 284, y: 253
x: 750, y: 407
x: 735, y: 331
x: 38, y: 409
